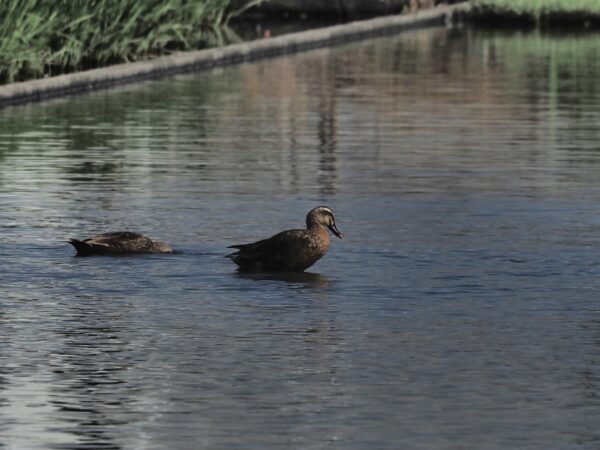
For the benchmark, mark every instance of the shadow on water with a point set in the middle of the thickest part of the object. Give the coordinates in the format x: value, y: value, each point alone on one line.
x: 307, y: 278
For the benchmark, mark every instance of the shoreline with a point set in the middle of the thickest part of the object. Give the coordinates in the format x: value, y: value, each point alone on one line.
x: 106, y: 77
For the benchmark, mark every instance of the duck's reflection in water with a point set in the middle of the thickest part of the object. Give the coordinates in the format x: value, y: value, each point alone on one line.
x: 306, y: 278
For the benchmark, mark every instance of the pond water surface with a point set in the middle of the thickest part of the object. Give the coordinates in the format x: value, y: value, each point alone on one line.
x: 461, y: 309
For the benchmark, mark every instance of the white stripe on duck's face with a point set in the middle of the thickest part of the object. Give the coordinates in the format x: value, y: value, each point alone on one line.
x: 325, y: 211
x: 323, y: 215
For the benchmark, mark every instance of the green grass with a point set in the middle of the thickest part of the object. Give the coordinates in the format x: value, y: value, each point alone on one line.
x: 543, y: 13
x: 46, y: 37
x: 539, y: 8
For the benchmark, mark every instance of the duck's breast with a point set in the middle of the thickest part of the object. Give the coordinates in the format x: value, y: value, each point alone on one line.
x: 306, y: 249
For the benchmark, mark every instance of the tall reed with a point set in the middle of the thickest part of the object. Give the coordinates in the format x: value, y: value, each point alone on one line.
x: 46, y: 37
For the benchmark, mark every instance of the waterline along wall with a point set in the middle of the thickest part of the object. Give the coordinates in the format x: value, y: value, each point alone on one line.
x: 203, y: 59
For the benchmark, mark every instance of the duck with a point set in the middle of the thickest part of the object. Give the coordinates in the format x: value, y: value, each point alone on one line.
x: 290, y: 250
x: 118, y: 243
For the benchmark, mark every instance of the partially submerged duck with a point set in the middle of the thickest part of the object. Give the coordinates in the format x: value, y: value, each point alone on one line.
x: 118, y: 243
x: 291, y: 250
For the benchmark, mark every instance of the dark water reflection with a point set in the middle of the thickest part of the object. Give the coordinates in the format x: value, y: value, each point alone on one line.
x: 459, y: 311
x: 303, y: 278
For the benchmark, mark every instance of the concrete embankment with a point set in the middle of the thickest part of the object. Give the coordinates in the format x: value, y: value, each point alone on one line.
x: 204, y: 59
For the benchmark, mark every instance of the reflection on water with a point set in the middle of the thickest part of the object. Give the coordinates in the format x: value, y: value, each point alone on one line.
x: 458, y: 312
x: 302, y: 278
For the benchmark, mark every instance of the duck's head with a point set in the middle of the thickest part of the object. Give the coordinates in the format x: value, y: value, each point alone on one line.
x: 323, y: 215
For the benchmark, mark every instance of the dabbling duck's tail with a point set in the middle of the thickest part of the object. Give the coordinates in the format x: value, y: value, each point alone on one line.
x: 82, y: 248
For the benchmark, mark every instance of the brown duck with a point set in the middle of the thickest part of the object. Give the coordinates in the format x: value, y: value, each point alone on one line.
x: 118, y: 243
x: 291, y: 250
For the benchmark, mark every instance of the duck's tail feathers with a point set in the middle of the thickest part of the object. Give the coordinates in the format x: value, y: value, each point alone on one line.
x: 235, y: 256
x: 245, y: 260
x: 82, y: 248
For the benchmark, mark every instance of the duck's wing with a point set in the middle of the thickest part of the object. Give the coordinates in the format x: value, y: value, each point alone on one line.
x: 268, y: 252
x: 251, y: 246
x: 271, y: 244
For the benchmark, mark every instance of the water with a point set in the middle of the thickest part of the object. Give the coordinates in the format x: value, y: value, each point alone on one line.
x: 459, y: 311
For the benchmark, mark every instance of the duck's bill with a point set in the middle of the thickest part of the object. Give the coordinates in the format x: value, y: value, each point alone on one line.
x: 335, y: 231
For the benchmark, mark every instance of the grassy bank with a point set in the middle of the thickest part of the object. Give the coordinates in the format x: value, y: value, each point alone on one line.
x: 47, y: 37
x: 540, y: 12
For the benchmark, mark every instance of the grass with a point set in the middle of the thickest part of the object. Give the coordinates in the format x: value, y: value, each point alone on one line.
x: 46, y: 37
x: 543, y: 12
x: 538, y: 7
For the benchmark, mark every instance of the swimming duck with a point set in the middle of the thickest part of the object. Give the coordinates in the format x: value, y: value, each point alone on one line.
x: 291, y: 250
x: 118, y: 243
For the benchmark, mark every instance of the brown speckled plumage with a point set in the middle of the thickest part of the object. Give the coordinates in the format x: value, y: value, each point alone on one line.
x: 118, y: 243
x: 291, y: 250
